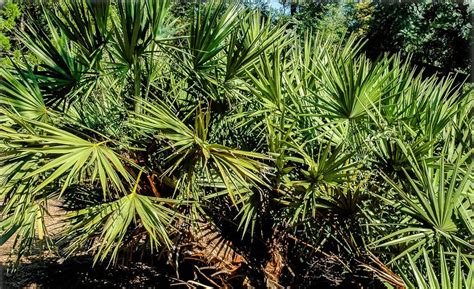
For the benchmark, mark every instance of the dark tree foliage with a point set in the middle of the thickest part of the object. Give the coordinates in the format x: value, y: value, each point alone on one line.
x: 436, y: 34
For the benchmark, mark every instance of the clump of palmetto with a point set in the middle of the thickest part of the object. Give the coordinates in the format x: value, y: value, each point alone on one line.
x: 288, y: 159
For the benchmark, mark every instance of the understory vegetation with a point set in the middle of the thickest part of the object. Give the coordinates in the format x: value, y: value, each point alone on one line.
x: 233, y: 151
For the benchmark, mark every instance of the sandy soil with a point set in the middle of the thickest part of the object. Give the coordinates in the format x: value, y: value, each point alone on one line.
x: 43, y: 269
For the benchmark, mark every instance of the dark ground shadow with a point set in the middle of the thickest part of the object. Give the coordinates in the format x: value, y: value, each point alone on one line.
x: 78, y: 272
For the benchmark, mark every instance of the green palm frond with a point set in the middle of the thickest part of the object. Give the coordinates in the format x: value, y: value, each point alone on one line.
x: 320, y: 176
x: 25, y: 224
x: 61, y: 74
x: 110, y: 224
x: 247, y: 43
x: 331, y: 166
x: 162, y: 26
x: 21, y: 93
x: 449, y: 276
x: 212, y: 23
x: 190, y: 152
x: 85, y: 23
x: 432, y: 199
x: 351, y: 86
x: 65, y: 157
x: 131, y: 33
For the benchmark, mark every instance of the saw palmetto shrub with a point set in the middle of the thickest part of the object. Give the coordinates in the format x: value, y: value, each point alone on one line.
x: 263, y: 157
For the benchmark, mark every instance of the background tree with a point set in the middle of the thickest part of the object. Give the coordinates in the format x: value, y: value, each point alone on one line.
x: 435, y: 34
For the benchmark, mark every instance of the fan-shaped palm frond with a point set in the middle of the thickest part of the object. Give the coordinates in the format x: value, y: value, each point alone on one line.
x: 110, y: 223
x: 85, y: 23
x: 190, y: 153
x: 447, y: 276
x: 432, y: 200
x: 61, y: 74
x: 22, y: 93
x: 248, y: 43
x: 61, y: 155
x: 351, y: 87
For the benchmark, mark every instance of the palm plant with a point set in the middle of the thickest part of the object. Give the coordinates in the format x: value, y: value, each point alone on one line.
x: 435, y: 201
x: 449, y: 276
x: 150, y: 136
